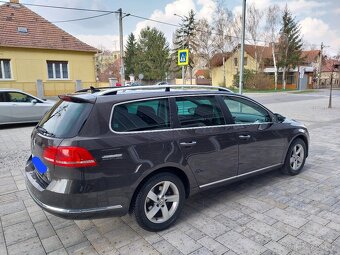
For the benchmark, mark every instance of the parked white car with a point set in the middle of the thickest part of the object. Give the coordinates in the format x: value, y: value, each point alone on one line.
x: 17, y: 106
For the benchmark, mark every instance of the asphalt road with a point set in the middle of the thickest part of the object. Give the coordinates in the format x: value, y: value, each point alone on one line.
x: 270, y: 98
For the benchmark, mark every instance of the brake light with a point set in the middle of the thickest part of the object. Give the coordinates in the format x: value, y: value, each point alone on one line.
x: 69, y: 156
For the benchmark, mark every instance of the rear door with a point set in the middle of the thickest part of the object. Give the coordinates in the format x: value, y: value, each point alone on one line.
x: 24, y: 107
x: 261, y: 144
x: 208, y: 146
x: 5, y: 108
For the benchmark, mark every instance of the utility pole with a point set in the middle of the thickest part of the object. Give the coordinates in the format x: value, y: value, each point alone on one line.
x: 320, y: 65
x: 122, y: 71
x: 242, y: 45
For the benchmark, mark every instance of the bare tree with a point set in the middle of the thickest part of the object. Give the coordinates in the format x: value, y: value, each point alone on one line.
x: 273, y: 31
x: 338, y: 55
x: 254, y: 17
x: 222, y: 25
x: 205, y: 47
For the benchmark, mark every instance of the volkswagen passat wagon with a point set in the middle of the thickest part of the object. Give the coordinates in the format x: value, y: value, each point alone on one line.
x: 145, y: 150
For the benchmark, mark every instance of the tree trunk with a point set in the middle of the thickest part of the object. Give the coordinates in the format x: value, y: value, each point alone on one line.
x: 275, y: 67
x: 284, y: 78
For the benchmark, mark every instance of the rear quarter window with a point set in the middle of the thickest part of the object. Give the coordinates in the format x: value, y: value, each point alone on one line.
x: 65, y: 119
x: 141, y: 116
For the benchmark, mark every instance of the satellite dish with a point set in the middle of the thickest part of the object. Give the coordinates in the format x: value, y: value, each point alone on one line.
x: 141, y: 76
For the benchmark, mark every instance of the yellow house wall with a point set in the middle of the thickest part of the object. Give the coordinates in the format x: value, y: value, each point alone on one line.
x: 29, y: 65
x: 231, y: 69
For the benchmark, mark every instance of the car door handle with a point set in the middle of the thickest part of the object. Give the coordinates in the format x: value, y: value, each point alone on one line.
x: 244, y: 137
x: 188, y: 143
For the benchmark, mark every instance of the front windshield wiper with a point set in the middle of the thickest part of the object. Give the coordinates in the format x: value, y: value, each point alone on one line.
x: 44, y: 131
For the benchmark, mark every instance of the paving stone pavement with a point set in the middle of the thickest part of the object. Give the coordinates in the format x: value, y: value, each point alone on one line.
x: 268, y: 214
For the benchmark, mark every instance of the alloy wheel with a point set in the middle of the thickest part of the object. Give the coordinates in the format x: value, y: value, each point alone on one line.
x: 161, y: 202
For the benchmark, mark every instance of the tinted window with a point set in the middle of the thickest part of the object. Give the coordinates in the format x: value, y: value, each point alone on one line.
x: 65, y: 118
x: 140, y: 116
x: 244, y: 111
x: 19, y: 97
x: 199, y: 111
x: 4, y: 97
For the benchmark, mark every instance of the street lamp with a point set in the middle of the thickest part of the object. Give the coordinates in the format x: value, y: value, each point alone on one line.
x: 242, y: 46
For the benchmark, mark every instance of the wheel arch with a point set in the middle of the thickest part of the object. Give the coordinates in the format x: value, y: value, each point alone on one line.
x: 301, y: 136
x: 173, y: 170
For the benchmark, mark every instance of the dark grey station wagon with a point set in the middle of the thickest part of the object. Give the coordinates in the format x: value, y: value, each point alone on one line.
x: 104, y: 152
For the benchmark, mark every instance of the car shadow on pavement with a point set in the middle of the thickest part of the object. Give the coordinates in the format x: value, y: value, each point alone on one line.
x: 21, y: 125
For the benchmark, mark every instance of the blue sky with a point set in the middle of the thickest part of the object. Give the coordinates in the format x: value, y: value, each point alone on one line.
x: 319, y: 20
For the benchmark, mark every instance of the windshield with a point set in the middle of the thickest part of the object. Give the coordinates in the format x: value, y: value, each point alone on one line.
x: 65, y: 119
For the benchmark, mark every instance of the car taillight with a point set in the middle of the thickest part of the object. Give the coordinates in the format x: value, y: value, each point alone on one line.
x: 69, y: 156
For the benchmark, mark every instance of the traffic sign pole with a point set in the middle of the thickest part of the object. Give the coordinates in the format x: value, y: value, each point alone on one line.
x: 183, y: 82
x: 183, y: 60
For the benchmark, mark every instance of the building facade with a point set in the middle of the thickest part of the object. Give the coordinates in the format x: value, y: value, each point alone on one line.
x: 38, y: 57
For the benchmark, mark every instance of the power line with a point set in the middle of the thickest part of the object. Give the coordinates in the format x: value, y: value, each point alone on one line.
x: 157, y: 21
x: 63, y: 7
x: 85, y: 18
x: 107, y: 12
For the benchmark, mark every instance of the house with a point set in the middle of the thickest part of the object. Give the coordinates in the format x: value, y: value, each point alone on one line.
x: 39, y: 57
x: 225, y: 66
x: 330, y: 73
x: 259, y: 58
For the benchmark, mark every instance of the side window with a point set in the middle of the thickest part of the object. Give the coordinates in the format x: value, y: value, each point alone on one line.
x: 199, y: 111
x: 3, y: 97
x: 141, y: 116
x: 244, y: 111
x: 19, y: 97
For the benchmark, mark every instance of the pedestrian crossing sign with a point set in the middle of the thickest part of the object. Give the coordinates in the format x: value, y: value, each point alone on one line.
x: 183, y: 57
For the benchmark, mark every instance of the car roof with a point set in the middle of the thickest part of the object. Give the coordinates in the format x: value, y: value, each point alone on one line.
x: 9, y: 89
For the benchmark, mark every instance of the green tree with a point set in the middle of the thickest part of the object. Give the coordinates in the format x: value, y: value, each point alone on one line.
x: 130, y: 56
x: 290, y: 44
x: 152, y: 54
x: 185, y: 38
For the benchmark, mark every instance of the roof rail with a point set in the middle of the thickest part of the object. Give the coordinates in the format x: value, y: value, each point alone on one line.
x: 156, y: 87
x: 93, y: 89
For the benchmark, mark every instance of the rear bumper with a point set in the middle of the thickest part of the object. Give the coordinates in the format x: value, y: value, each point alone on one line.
x: 71, y: 204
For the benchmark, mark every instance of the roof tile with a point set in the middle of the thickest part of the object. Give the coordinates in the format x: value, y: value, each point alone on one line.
x: 41, y: 34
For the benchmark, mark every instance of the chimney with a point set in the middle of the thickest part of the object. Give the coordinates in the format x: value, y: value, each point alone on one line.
x: 14, y: 1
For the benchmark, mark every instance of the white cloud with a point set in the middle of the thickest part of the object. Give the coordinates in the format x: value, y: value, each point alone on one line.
x: 337, y: 11
x: 180, y: 7
x: 101, y: 42
x: 207, y: 10
x: 315, y: 31
x: 304, y: 6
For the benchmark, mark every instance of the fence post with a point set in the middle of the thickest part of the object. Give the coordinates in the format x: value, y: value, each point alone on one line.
x: 40, y: 89
x: 78, y: 85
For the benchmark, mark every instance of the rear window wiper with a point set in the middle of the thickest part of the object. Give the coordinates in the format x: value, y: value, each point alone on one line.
x: 44, y: 131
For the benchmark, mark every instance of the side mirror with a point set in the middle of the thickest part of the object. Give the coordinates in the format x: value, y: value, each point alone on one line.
x: 279, y: 117
x: 34, y: 101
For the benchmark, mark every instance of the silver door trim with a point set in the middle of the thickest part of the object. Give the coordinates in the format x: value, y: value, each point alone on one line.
x: 240, y: 175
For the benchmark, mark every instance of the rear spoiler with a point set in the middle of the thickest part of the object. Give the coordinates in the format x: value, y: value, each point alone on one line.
x: 77, y: 99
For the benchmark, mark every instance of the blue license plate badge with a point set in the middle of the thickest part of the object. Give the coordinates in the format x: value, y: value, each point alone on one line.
x: 39, y: 165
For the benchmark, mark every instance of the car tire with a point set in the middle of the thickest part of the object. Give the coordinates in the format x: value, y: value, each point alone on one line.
x: 295, y: 158
x: 155, y: 208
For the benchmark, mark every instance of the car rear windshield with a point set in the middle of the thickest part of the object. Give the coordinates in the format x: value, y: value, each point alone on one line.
x: 65, y: 119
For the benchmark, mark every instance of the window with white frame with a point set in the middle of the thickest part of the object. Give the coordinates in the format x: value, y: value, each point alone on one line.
x: 57, y: 69
x: 5, y: 69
